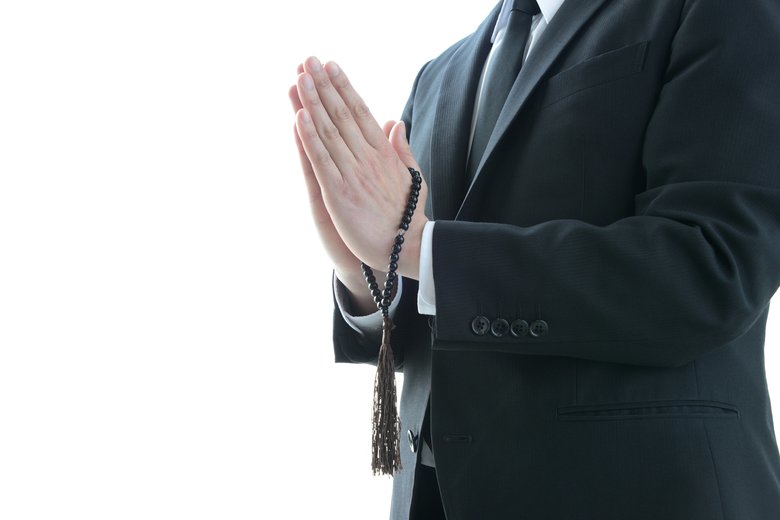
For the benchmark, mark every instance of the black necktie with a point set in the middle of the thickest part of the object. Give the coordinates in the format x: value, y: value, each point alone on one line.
x: 506, y: 62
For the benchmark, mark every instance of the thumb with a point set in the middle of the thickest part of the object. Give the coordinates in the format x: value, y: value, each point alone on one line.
x: 401, y: 145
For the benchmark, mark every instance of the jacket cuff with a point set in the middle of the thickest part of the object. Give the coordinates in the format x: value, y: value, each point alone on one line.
x: 371, y: 324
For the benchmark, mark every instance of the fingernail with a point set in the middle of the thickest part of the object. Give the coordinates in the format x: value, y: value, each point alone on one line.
x: 308, y: 84
x: 315, y: 64
x: 305, y: 116
x: 332, y: 69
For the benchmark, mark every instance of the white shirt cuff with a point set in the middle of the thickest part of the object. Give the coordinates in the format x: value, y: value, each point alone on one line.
x: 371, y: 324
x: 426, y: 293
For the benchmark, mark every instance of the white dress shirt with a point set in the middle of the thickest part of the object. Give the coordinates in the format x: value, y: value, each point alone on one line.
x: 426, y: 294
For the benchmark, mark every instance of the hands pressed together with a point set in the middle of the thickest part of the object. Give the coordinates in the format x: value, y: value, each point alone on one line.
x: 356, y: 175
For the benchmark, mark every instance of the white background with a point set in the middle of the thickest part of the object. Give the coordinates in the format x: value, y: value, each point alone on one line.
x: 165, y: 306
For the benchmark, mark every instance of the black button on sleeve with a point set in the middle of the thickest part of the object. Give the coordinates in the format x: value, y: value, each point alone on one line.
x: 480, y: 325
x: 519, y: 328
x: 499, y: 327
x: 539, y: 328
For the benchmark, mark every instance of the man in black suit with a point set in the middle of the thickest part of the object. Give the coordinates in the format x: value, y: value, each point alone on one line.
x: 595, y: 269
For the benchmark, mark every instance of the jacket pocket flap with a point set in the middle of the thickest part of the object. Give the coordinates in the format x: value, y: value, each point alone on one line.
x: 596, y: 70
x: 647, y: 409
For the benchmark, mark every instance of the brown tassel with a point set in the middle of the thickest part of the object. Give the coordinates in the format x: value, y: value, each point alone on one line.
x: 386, y: 445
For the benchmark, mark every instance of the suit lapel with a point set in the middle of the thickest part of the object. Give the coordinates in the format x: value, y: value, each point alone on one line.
x: 450, y: 139
x: 569, y: 19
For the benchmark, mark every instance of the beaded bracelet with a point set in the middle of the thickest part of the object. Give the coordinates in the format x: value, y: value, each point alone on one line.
x: 386, y: 442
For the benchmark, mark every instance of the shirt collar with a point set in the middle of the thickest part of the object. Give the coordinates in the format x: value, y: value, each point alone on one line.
x: 547, y: 7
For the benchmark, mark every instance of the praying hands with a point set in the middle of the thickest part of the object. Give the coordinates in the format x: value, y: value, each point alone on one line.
x: 356, y: 175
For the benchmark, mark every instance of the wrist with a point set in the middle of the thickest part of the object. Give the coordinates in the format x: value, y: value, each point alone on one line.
x: 409, y: 261
x: 352, y: 279
x: 357, y: 297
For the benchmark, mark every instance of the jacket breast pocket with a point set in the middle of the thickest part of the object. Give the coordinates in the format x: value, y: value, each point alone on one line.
x: 696, y: 408
x: 597, y: 70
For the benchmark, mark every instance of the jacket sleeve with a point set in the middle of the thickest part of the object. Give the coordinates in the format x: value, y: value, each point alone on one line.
x: 695, y: 266
x: 351, y: 346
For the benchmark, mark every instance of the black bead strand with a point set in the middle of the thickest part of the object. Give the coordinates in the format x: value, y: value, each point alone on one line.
x: 382, y: 298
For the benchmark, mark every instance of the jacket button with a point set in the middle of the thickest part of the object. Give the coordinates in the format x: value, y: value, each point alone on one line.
x: 499, y: 327
x: 539, y: 328
x: 519, y: 328
x: 412, y: 438
x: 480, y: 325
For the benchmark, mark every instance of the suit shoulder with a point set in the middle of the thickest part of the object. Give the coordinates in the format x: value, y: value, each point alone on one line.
x: 430, y: 74
x: 438, y: 64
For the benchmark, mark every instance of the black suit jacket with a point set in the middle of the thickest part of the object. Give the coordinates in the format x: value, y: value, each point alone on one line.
x: 630, y: 199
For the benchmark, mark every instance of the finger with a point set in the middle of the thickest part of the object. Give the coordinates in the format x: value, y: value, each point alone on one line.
x: 293, y: 93
x: 337, y: 111
x: 329, y: 134
x: 387, y: 127
x: 312, y: 186
x: 397, y: 138
x: 370, y: 128
x: 401, y: 146
x: 325, y: 170
x: 308, y: 172
x: 294, y: 99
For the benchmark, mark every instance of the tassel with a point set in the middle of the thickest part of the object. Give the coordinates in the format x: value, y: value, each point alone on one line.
x: 386, y: 445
